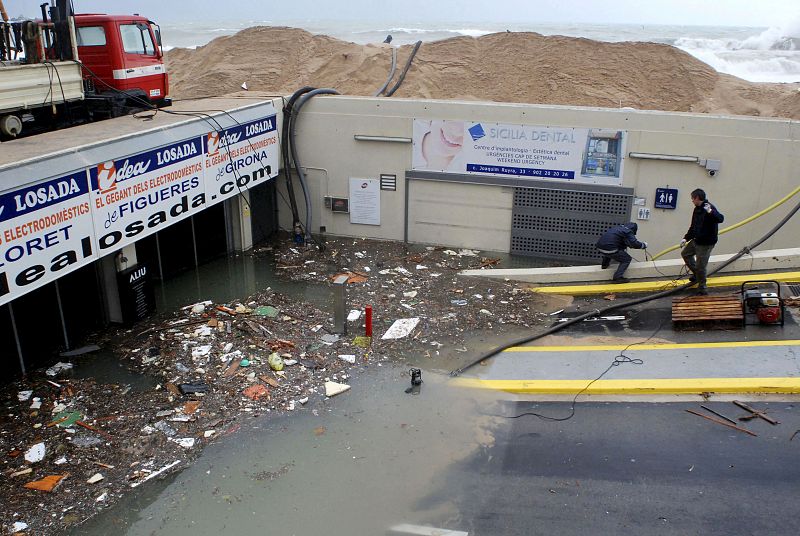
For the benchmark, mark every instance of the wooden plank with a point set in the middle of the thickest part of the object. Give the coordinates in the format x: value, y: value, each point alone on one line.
x: 707, y: 312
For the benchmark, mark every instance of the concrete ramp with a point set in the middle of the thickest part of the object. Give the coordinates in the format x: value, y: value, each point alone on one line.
x: 775, y: 259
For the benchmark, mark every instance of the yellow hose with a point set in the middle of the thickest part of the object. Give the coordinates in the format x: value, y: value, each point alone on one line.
x: 745, y: 221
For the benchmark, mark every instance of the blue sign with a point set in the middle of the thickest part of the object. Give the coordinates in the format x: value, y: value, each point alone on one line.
x: 666, y: 198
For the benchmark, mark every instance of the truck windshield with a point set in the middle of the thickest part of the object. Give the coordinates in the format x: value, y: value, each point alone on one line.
x: 136, y: 39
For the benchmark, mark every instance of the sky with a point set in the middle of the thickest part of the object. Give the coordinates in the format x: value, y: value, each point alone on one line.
x: 681, y: 12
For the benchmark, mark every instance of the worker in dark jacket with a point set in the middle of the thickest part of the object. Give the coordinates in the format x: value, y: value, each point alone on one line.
x: 612, y: 246
x: 701, y: 238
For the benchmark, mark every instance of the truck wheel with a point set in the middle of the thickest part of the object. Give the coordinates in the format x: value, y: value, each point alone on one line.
x: 10, y: 125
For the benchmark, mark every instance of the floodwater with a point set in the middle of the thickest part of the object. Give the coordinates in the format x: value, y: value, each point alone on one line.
x: 105, y: 368
x: 355, y: 464
x: 234, y: 277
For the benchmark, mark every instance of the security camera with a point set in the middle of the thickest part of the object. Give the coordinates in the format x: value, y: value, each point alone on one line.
x: 712, y: 172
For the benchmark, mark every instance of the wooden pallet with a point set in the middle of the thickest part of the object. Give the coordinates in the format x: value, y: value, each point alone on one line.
x: 707, y: 312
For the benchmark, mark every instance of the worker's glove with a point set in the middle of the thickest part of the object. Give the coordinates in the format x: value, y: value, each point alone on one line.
x: 644, y: 245
x: 707, y: 207
x: 683, y: 242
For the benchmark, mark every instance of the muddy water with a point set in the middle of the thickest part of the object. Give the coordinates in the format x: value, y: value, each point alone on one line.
x: 355, y: 464
x: 231, y: 278
x: 105, y: 368
x: 368, y: 459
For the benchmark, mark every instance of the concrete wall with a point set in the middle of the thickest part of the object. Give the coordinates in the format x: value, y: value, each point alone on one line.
x: 760, y: 164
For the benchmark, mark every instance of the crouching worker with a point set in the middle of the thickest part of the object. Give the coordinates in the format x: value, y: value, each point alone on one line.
x: 612, y: 246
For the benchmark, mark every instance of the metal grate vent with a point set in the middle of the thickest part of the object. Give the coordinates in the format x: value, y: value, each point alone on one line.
x: 548, y: 247
x: 531, y: 222
x: 565, y: 223
x: 795, y: 288
x: 575, y: 201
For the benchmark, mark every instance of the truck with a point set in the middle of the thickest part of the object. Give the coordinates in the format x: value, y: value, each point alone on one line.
x: 68, y: 68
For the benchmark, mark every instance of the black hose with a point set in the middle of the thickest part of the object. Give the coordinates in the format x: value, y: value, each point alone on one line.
x: 637, y: 301
x: 405, y: 70
x: 293, y: 146
x: 392, y: 70
x: 287, y: 163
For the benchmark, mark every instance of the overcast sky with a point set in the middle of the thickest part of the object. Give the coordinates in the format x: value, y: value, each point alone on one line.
x: 690, y: 12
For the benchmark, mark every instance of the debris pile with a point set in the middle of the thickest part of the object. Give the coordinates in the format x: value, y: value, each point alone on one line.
x: 71, y: 446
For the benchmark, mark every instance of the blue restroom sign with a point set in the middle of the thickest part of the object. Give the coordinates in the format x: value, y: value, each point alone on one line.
x: 666, y: 198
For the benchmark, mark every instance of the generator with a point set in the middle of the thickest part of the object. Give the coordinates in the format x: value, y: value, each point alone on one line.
x: 762, y: 303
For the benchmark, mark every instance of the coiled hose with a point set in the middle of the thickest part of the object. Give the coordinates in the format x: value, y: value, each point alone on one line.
x: 637, y: 301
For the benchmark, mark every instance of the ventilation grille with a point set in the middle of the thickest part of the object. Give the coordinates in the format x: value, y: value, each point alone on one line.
x: 574, y: 201
x: 530, y: 222
x: 545, y: 247
x: 566, y: 223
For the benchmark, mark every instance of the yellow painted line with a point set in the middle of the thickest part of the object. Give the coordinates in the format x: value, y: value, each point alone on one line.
x: 668, y: 346
x: 638, y: 387
x: 655, y: 286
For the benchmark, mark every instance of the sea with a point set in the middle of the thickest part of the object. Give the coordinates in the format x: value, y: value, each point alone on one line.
x: 752, y: 53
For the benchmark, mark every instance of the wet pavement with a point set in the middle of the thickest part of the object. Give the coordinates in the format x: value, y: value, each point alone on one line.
x: 632, y: 468
x: 445, y: 458
x: 355, y: 464
x: 377, y: 456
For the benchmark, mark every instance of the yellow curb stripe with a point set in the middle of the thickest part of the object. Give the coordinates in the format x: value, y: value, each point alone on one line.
x: 655, y: 286
x: 638, y: 387
x: 638, y: 347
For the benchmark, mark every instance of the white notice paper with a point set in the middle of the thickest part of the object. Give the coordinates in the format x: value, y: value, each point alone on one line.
x: 365, y: 201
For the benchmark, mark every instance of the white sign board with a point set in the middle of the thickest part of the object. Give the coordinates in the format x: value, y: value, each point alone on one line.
x: 139, y: 195
x: 240, y: 157
x: 56, y: 226
x: 45, y: 232
x: 593, y: 156
x: 365, y: 201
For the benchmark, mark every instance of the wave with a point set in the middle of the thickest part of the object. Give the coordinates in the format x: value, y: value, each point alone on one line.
x: 770, y: 56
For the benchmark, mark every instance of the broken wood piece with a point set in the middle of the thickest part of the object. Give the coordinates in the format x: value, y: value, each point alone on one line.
x: 48, y: 483
x: 95, y: 430
x: 191, y: 407
x: 268, y: 380
x: 233, y: 368
x: 723, y: 423
x: 172, y: 388
x: 755, y: 413
x: 57, y: 421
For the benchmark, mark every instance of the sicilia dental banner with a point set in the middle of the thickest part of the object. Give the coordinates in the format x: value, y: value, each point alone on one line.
x: 591, y: 156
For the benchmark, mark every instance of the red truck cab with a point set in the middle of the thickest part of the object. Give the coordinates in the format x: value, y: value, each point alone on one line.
x: 122, y: 52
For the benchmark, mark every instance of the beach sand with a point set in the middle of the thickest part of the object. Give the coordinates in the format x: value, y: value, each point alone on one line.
x: 502, y: 67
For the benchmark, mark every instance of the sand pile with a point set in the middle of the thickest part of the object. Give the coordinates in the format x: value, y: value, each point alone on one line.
x: 503, y: 67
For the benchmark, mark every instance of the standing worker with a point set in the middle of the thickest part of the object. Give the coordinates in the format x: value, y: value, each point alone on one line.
x: 612, y: 246
x: 700, y: 238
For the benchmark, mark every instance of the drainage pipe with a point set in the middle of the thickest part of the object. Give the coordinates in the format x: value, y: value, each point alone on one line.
x: 392, y: 70
x: 293, y: 146
x: 405, y: 70
x: 287, y: 163
x: 644, y: 299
